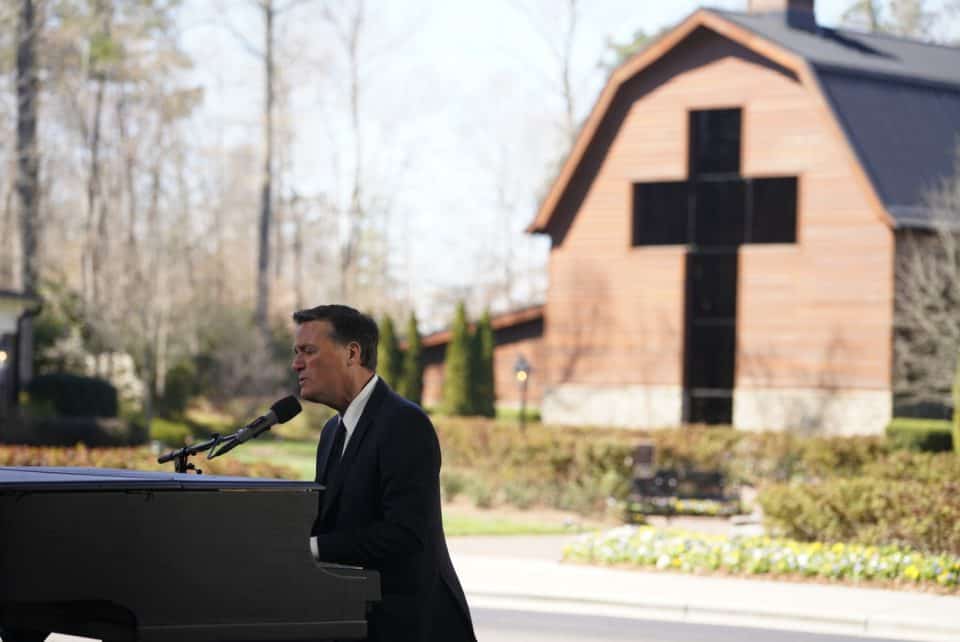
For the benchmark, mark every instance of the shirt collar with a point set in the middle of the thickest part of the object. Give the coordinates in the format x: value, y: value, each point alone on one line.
x: 351, y: 416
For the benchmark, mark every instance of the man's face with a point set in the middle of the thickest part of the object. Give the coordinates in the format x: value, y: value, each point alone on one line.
x: 321, y: 364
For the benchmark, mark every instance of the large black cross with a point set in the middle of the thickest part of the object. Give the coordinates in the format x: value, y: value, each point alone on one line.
x: 713, y: 213
x: 716, y: 207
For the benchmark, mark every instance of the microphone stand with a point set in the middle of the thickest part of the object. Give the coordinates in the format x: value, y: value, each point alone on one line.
x: 179, y: 457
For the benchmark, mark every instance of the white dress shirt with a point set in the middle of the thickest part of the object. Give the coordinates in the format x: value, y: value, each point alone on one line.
x: 351, y: 416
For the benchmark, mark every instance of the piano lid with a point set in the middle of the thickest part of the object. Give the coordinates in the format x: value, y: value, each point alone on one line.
x: 59, y: 479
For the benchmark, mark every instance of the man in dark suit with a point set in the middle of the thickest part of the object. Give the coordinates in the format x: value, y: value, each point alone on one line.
x: 379, y: 459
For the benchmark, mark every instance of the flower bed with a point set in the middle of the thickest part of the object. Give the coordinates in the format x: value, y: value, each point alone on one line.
x: 648, y: 547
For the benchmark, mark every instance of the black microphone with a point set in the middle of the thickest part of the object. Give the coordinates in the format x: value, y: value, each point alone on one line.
x: 280, y: 413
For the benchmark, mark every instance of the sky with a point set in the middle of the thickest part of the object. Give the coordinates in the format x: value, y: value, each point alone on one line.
x: 460, y: 107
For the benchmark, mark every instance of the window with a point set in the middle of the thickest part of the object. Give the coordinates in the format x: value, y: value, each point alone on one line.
x: 660, y: 213
x: 714, y: 142
x: 773, y: 210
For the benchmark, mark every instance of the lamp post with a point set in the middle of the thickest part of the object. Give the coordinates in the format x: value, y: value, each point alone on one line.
x: 522, y: 369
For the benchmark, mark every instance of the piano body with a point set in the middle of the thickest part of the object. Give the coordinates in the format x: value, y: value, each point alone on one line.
x: 130, y: 555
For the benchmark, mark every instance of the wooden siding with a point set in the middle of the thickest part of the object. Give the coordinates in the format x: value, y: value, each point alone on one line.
x: 522, y: 336
x: 816, y: 313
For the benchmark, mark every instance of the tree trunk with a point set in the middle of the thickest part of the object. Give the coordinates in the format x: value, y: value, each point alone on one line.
x: 27, y: 175
x: 871, y: 11
x: 8, y: 259
x: 27, y: 157
x: 263, y: 260
x: 92, y: 262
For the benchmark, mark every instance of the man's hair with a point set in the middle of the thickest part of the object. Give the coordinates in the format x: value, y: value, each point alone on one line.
x: 348, y: 325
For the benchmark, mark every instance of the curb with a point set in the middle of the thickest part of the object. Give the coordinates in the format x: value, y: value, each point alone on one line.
x: 892, y: 628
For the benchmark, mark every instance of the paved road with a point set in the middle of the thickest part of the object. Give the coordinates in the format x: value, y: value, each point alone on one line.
x: 505, y: 625
x: 502, y: 625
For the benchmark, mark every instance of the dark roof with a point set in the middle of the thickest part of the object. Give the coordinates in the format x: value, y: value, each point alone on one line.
x: 883, y: 55
x: 499, y: 322
x: 898, y: 101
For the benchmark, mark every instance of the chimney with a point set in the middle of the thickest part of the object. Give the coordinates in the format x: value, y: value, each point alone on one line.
x: 798, y: 14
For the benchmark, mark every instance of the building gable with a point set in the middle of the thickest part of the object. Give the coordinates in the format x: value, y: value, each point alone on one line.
x: 699, y: 47
x: 870, y: 86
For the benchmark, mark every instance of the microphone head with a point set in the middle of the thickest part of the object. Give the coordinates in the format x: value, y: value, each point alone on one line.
x: 286, y: 409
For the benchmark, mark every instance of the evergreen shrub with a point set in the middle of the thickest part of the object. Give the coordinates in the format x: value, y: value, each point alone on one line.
x: 482, y: 344
x: 389, y: 357
x: 929, y: 435
x: 168, y: 432
x: 458, y: 368
x: 585, y: 467
x: 179, y: 385
x: 923, y: 515
x: 74, y: 395
x: 412, y: 380
x: 70, y: 431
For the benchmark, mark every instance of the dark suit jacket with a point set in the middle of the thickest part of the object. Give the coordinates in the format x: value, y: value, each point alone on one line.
x: 381, y: 511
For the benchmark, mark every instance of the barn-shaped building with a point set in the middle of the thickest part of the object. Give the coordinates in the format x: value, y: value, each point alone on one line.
x: 724, y: 232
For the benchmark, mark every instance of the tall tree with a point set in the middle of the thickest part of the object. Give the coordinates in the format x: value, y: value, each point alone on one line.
x: 458, y: 367
x: 268, y: 173
x: 348, y: 22
x: 27, y: 166
x: 927, y: 310
x: 412, y: 380
x: 484, y: 394
x: 559, y: 39
x: 27, y: 150
x: 620, y: 52
x: 266, y: 180
x: 389, y: 357
x: 910, y: 18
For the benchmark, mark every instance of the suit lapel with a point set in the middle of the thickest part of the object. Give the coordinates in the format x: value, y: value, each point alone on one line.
x: 324, y: 447
x: 370, y: 412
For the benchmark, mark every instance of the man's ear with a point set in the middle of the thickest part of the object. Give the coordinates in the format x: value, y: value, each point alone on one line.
x: 354, y: 353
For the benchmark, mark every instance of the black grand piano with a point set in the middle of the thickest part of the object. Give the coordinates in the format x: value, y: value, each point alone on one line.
x: 130, y: 555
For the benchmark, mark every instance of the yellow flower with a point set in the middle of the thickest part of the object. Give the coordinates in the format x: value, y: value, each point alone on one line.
x: 912, y: 572
x: 837, y: 548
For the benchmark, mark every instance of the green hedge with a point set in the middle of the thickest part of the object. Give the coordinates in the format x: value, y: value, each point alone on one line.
x: 581, y: 468
x: 170, y: 432
x: 69, y: 431
x: 929, y: 435
x: 74, y: 395
x: 700, y: 553
x: 923, y: 515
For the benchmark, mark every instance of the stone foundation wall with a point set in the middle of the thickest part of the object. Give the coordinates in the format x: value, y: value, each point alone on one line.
x: 617, y: 406
x: 820, y: 411
x: 806, y: 411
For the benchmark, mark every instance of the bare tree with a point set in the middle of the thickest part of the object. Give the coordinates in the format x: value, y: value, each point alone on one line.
x: 266, y: 183
x: 27, y: 151
x: 267, y: 54
x: 347, y: 22
x: 865, y: 14
x: 558, y: 31
x: 910, y: 18
x: 927, y: 343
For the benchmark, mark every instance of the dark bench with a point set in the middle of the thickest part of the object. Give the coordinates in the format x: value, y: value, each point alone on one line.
x: 668, y: 491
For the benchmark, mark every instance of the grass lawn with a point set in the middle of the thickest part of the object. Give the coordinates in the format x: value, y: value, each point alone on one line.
x: 301, y: 456
x: 455, y: 524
